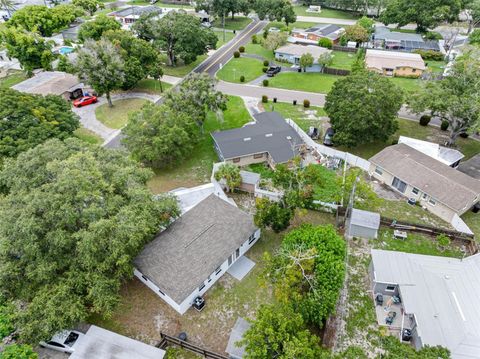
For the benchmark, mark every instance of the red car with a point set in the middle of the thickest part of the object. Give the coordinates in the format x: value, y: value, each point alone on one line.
x: 84, y: 101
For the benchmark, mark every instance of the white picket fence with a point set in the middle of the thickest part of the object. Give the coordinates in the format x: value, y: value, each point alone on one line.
x: 352, y: 160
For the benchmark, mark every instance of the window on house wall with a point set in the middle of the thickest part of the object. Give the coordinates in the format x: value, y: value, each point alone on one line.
x: 251, y: 239
x: 161, y: 292
x: 399, y: 185
x: 201, y: 287
x: 209, y: 279
x: 415, y: 190
x: 414, y: 70
x: 424, y: 196
x: 378, y: 170
x: 432, y: 202
x: 258, y: 155
x: 235, y: 160
x: 146, y: 279
x: 390, y: 288
x: 218, y: 270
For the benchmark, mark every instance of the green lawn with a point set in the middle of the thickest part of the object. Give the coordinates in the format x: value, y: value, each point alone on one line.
x: 117, y: 116
x: 12, y: 79
x: 473, y: 222
x: 296, y: 25
x: 88, y: 136
x: 151, y: 86
x: 248, y: 67
x: 196, y: 169
x: 406, y: 84
x: 228, y: 36
x: 330, y: 13
x: 239, y: 23
x: 436, y: 66
x: 412, y: 129
x: 182, y: 70
x: 342, y: 60
x: 257, y: 49
x: 304, y: 117
x: 309, y: 81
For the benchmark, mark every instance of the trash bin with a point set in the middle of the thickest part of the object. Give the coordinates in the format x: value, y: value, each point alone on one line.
x: 406, y: 335
x: 182, y: 336
x: 294, y: 102
x: 274, y: 100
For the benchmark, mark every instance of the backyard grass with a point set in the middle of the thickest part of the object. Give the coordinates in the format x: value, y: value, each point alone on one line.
x: 436, y: 66
x: 196, y: 169
x: 305, y: 81
x: 406, y: 84
x: 238, y: 23
x: 473, y: 222
x: 228, y: 36
x: 296, y: 25
x: 117, y: 116
x: 12, y: 79
x: 342, y: 60
x: 88, y: 136
x: 330, y: 13
x: 467, y: 146
x: 151, y: 86
x: 182, y: 70
x: 257, y: 49
x: 248, y: 67
x: 303, y: 117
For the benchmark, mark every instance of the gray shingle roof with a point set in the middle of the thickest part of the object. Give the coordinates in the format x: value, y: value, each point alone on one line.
x: 443, y: 294
x: 366, y: 219
x: 270, y: 133
x: 137, y: 10
x: 445, y: 184
x: 180, y: 258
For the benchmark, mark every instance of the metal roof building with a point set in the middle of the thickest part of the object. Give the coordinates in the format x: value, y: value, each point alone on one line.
x: 363, y: 224
x: 441, y: 293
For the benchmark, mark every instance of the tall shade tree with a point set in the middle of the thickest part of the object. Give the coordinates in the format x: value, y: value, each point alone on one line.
x: 160, y: 136
x: 29, y: 48
x: 455, y: 98
x: 356, y: 33
x: 96, y: 28
x: 279, y: 10
x: 101, y: 64
x: 279, y: 332
x: 85, y: 213
x: 363, y: 108
x: 425, y: 13
x: 31, y: 120
x: 306, y: 60
x: 179, y: 34
x: 230, y: 174
x: 43, y: 19
x: 89, y: 6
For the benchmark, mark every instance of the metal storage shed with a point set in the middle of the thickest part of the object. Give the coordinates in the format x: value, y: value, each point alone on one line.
x: 363, y: 224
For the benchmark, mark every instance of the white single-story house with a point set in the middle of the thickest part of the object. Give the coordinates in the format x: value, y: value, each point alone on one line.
x: 189, y: 256
x: 292, y: 53
x: 439, y: 298
x: 52, y: 83
x: 449, y: 156
x: 269, y: 139
x: 128, y: 15
x: 438, y: 187
x: 394, y: 63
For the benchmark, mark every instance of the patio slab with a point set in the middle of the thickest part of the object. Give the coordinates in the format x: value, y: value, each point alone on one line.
x: 241, y: 267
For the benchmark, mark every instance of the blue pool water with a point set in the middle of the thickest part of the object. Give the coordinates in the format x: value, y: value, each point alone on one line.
x: 65, y: 50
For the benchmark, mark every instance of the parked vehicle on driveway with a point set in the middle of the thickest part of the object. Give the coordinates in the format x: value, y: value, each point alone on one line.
x: 64, y: 341
x: 328, y: 138
x: 273, y: 70
x: 85, y: 100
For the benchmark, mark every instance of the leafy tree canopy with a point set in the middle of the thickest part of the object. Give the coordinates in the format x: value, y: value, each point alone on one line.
x: 274, y: 40
x: 306, y: 60
x: 84, y: 214
x: 356, y: 33
x: 43, y: 19
x: 367, y: 23
x: 230, y: 174
x: 89, y: 5
x: 221, y: 8
x: 279, y: 10
x: 474, y: 37
x: 32, y: 119
x: 18, y: 351
x: 363, y: 108
x: 96, y: 28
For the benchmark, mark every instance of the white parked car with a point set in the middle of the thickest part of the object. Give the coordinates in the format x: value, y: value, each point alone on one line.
x: 274, y: 29
x: 64, y: 341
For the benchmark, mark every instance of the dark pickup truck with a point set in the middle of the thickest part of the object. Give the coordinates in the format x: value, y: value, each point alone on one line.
x: 273, y: 70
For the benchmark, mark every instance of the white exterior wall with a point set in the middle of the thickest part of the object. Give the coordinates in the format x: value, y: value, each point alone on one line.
x: 187, y: 303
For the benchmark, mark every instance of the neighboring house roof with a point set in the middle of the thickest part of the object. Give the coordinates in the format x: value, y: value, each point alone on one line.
x: 471, y: 167
x: 445, y: 155
x: 189, y: 197
x: 332, y: 32
x: 238, y: 330
x: 445, y: 184
x: 102, y: 343
x: 384, y: 33
x: 269, y: 133
x: 365, y: 219
x: 136, y: 11
x: 48, y: 83
x: 182, y: 257
x: 379, y: 59
x: 299, y: 50
x: 441, y: 292
x: 250, y: 177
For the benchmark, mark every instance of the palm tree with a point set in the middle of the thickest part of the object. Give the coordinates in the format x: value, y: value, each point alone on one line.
x: 8, y: 6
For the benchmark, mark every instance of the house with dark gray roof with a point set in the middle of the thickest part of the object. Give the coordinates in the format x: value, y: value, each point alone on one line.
x: 439, y: 299
x: 189, y: 256
x: 268, y: 139
x: 438, y: 187
x: 317, y: 32
x: 383, y: 37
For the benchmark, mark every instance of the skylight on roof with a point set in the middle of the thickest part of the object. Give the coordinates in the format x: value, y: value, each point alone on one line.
x: 269, y: 135
x: 247, y: 139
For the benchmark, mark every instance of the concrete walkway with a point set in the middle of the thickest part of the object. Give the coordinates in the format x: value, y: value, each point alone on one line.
x: 241, y: 268
x: 89, y: 120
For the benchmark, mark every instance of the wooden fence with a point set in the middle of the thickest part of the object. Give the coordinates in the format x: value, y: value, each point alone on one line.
x: 169, y: 340
x: 344, y: 48
x: 339, y: 72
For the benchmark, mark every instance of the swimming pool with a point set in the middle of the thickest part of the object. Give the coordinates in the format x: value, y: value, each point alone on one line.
x: 65, y: 50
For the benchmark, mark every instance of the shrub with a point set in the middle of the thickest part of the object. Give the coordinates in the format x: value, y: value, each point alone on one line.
x: 306, y: 103
x: 433, y: 35
x: 464, y: 135
x: 444, y: 125
x: 18, y: 351
x: 236, y: 54
x: 394, y: 142
x: 430, y: 55
x: 425, y: 120
x: 265, y: 69
x: 265, y: 82
x: 266, y: 63
x: 443, y: 240
x: 241, y: 49
x: 264, y: 98
x: 254, y: 39
x: 324, y: 42
x: 242, y: 78
x: 343, y: 40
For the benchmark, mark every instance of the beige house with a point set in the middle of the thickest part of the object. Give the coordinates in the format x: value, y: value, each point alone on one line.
x: 52, y: 83
x: 439, y: 188
x: 394, y: 63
